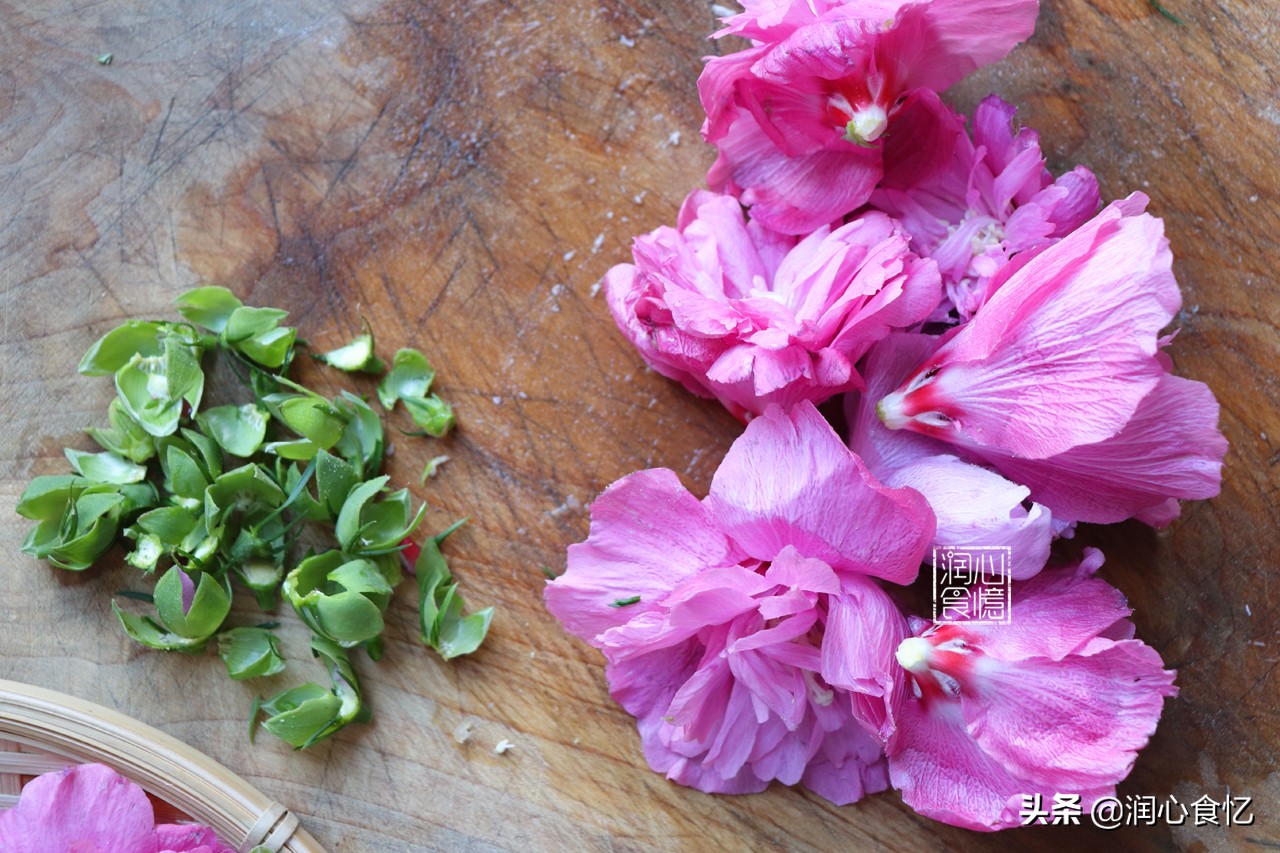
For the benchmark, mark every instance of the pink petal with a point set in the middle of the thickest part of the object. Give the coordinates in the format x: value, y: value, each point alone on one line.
x: 945, y: 775
x: 848, y: 766
x: 788, y: 480
x: 1171, y: 448
x: 793, y: 195
x: 1074, y: 723
x: 1061, y: 354
x: 648, y: 534
x: 87, y: 809
x: 864, y: 629
x: 188, y: 838
x: 953, y: 38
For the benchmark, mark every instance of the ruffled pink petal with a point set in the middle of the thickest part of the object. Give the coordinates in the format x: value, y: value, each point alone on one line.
x: 1170, y: 449
x: 788, y: 480
x: 1074, y: 723
x: 864, y: 629
x: 849, y: 765
x: 1061, y: 354
x: 86, y: 809
x: 648, y: 534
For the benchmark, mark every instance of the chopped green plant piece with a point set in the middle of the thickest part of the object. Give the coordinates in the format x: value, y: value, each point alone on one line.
x: 117, y: 347
x: 1159, y: 7
x: 105, y: 467
x: 238, y: 430
x: 444, y: 628
x: 341, y: 600
x: 432, y: 414
x: 292, y: 458
x: 366, y: 527
x: 250, y: 653
x: 125, y: 437
x: 208, y: 307
x: 410, y: 378
x: 432, y: 468
x: 105, y: 58
x: 355, y: 357
x: 626, y: 602
x: 192, y: 607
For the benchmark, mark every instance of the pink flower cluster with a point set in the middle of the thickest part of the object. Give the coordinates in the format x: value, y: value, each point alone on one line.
x: 999, y: 343
x: 91, y: 808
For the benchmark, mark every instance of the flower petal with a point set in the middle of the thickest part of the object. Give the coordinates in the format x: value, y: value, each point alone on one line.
x: 788, y: 480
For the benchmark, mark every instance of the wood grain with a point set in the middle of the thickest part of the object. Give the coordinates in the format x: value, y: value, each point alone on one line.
x: 461, y: 175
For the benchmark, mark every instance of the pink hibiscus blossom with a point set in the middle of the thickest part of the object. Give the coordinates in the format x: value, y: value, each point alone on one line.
x: 1058, y: 382
x: 92, y: 809
x: 749, y: 316
x: 1056, y: 702
x: 798, y: 117
x: 974, y: 505
x: 744, y: 631
x: 994, y: 200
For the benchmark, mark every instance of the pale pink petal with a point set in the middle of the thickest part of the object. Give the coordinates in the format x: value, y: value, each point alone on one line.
x: 957, y: 37
x: 943, y: 773
x: 848, y: 766
x: 864, y: 629
x: 979, y: 508
x: 648, y: 534
x: 1170, y: 449
x: 87, y: 809
x: 789, y: 480
x: 188, y: 838
x: 1070, y: 724
x: 1061, y: 354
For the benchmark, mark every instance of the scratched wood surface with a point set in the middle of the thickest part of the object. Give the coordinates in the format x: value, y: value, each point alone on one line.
x: 461, y: 174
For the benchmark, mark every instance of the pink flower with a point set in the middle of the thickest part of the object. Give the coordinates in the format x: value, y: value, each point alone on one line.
x: 974, y: 505
x: 1056, y: 702
x: 92, y: 809
x: 1058, y: 383
x: 749, y: 316
x: 799, y: 116
x: 744, y: 631
x: 994, y: 200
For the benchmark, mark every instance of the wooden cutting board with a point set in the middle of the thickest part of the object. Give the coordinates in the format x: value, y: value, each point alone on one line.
x: 460, y: 174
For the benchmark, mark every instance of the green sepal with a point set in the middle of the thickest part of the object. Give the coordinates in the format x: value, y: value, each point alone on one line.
x: 262, y: 577
x: 125, y: 437
x: 242, y: 488
x: 355, y: 357
x: 153, y: 389
x: 312, y: 417
x: 334, y: 480
x: 105, y: 467
x: 443, y: 627
x: 239, y: 430
x: 432, y: 414
x: 367, y: 528
x: 302, y: 715
x: 341, y: 600
x: 410, y: 378
x: 77, y: 519
x: 250, y: 653
x: 210, y: 604
x: 364, y: 441
x: 257, y: 334
x: 208, y: 307
x: 117, y: 347
x: 147, y: 553
x: 144, y: 630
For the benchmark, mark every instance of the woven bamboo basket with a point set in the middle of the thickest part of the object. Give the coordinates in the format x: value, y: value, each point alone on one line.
x: 42, y: 730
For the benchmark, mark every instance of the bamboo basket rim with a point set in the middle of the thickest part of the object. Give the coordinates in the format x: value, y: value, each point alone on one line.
x: 164, y: 766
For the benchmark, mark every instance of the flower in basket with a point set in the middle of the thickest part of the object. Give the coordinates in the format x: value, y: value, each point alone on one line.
x: 92, y: 809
